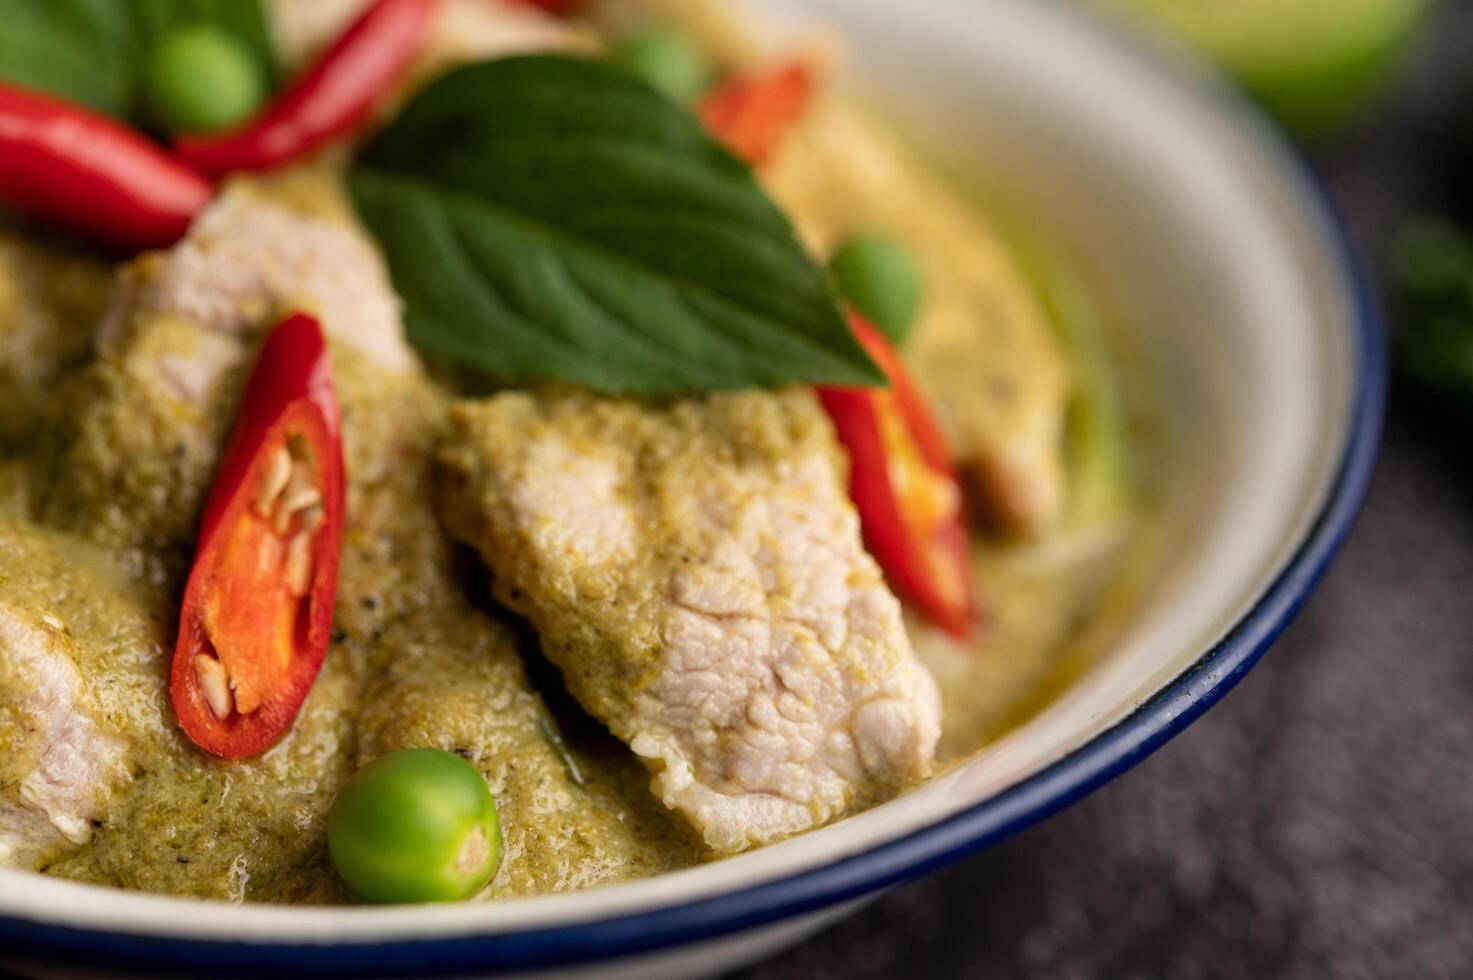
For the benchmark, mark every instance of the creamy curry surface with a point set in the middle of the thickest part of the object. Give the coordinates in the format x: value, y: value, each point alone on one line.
x: 524, y: 572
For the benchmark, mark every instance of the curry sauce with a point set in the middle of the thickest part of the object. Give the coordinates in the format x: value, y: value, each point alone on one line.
x: 652, y: 625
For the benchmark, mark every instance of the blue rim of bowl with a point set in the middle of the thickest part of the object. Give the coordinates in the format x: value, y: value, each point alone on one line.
x: 961, y: 835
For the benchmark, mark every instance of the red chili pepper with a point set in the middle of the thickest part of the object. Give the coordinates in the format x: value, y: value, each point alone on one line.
x: 335, y: 96
x: 67, y: 164
x: 751, y: 112
x: 901, y: 475
x: 257, y: 613
x: 905, y: 487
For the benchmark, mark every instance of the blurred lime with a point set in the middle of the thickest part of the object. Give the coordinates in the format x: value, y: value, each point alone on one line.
x: 1312, y: 63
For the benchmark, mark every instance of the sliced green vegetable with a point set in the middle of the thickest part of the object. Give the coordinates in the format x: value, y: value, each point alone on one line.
x: 554, y: 739
x: 550, y: 218
x: 95, y: 51
x: 201, y: 79
x: 666, y: 59
x: 1095, y: 437
x: 879, y: 275
x: 417, y: 825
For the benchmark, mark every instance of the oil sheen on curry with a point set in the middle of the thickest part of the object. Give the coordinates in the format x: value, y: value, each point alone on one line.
x: 463, y: 449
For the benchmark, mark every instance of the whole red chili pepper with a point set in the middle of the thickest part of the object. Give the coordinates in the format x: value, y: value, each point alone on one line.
x: 334, y: 97
x: 256, y: 619
x: 67, y: 164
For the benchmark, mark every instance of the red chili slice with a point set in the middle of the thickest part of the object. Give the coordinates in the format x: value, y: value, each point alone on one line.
x: 67, y: 164
x: 257, y: 613
x: 751, y: 112
x: 336, y: 96
x: 901, y: 475
x: 904, y: 485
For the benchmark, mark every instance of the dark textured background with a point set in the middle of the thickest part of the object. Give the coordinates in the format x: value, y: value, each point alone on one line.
x: 1319, y: 821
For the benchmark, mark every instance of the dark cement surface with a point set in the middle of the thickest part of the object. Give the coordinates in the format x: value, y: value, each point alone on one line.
x: 1318, y: 823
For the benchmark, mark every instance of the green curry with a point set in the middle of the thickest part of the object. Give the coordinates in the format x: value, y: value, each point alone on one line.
x: 689, y: 568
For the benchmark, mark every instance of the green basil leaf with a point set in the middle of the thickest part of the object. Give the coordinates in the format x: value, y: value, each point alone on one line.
x: 92, y: 51
x: 547, y: 217
x: 77, y: 49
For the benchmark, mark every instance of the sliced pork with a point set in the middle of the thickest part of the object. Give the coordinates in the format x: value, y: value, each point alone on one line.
x: 696, y: 572
x: 573, y: 813
x: 59, y: 758
x: 414, y: 662
x: 143, y: 425
x: 981, y: 348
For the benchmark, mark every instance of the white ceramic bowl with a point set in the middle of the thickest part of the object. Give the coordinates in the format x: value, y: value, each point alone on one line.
x: 1221, y: 253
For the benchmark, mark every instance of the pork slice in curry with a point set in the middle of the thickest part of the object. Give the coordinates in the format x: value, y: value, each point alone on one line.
x: 99, y: 784
x: 128, y: 471
x: 981, y: 347
x: 575, y: 811
x: 147, y: 418
x: 61, y: 623
x: 696, y: 572
x: 156, y: 815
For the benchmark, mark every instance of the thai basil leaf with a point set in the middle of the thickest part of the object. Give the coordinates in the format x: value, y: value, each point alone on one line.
x: 76, y: 49
x: 92, y: 51
x: 547, y: 217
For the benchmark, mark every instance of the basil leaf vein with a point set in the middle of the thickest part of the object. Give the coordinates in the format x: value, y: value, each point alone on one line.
x: 550, y: 218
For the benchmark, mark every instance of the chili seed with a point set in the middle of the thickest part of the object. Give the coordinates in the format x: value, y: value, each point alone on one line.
x: 274, y: 477
x: 300, y: 494
x: 215, y: 684
x: 299, y: 564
